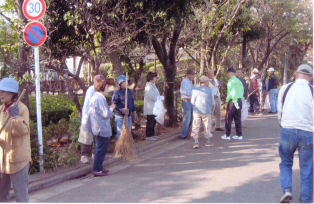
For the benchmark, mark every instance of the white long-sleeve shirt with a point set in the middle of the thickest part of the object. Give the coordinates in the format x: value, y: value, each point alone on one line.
x: 297, y: 112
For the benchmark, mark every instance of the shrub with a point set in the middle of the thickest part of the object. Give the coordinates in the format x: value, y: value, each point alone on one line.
x: 53, y: 108
x: 139, y: 104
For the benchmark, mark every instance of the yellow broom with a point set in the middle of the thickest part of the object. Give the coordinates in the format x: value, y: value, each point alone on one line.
x: 125, y: 147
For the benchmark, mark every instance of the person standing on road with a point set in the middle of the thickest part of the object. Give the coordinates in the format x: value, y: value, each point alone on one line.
x: 150, y: 97
x: 203, y: 104
x: 234, y: 98
x: 273, y: 91
x: 187, y: 109
x: 214, y: 84
x: 254, y: 92
x: 85, y: 136
x: 295, y: 114
x: 263, y: 92
x: 99, y: 122
x: 15, y: 148
x: 118, y: 98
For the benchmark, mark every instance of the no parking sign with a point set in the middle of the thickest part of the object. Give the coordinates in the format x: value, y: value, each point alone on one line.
x: 35, y: 34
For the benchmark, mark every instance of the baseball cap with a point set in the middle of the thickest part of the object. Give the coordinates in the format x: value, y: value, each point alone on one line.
x: 305, y: 69
x: 203, y: 79
x: 271, y: 69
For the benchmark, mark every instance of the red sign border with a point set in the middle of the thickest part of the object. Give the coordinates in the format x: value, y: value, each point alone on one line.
x: 36, y: 17
x: 27, y: 27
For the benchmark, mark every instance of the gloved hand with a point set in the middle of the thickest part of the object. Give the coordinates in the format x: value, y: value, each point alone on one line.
x: 236, y: 105
x: 13, y: 110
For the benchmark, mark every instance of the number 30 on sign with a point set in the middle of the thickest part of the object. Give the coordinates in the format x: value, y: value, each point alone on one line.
x: 34, y: 9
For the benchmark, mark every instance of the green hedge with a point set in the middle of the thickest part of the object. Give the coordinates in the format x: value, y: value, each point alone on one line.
x: 53, y: 108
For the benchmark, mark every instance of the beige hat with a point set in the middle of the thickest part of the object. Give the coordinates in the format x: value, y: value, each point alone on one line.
x: 204, y: 79
x: 305, y: 69
x: 255, y: 70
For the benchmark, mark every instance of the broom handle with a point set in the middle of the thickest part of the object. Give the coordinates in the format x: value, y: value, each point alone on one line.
x: 126, y: 92
x: 9, y: 116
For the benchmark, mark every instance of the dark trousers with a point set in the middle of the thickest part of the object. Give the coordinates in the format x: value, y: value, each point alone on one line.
x: 150, y: 125
x: 101, y: 144
x: 233, y: 113
x: 254, y: 104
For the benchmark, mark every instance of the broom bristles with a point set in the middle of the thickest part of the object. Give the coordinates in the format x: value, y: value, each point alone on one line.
x: 125, y: 147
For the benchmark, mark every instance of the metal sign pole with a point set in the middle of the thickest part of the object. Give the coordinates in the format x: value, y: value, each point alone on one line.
x: 38, y: 108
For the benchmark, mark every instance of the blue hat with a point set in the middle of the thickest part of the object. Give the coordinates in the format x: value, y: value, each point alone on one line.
x: 9, y: 85
x: 121, y: 78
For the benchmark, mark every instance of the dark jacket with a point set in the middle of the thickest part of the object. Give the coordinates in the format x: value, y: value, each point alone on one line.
x: 245, y: 94
x: 118, y: 98
x: 273, y: 82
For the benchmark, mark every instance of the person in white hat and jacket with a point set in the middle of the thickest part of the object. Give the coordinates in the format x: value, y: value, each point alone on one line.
x: 15, y: 148
x: 272, y: 89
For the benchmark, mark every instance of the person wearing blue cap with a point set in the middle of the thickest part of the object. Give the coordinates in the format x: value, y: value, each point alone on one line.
x: 118, y: 98
x: 15, y: 148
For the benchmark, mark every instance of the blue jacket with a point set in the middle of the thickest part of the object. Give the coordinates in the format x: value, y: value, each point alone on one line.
x: 99, y: 116
x: 203, y: 100
x: 118, y: 98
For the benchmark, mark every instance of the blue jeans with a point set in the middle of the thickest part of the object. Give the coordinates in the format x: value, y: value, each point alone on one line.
x: 186, y: 118
x: 101, y: 144
x: 20, y: 185
x: 290, y: 140
x: 119, y: 124
x: 273, y: 100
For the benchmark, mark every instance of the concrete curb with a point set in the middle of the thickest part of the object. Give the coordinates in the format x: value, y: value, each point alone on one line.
x: 86, y: 169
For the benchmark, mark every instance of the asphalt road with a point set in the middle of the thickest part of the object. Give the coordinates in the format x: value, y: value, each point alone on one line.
x: 231, y: 171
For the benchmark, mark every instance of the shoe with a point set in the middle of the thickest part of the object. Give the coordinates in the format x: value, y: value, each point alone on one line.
x: 225, y: 137
x: 84, y: 159
x: 182, y: 138
x: 286, y: 197
x: 209, y: 144
x: 237, y: 137
x: 156, y: 137
x: 150, y: 138
x: 219, y: 129
x: 195, y: 146
x: 100, y: 173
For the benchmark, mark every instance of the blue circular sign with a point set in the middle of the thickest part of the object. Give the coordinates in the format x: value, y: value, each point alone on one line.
x: 35, y: 34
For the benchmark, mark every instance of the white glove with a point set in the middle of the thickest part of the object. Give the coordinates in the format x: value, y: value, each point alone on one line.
x: 162, y: 98
x: 236, y: 105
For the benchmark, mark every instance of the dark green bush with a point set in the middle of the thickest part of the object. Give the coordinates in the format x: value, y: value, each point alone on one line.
x: 53, y: 108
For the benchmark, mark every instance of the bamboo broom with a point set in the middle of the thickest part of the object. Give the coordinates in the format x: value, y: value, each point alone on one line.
x: 125, y: 147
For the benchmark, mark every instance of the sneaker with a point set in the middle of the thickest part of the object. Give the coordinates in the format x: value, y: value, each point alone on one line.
x: 209, y: 144
x: 286, y: 197
x: 150, y: 138
x: 100, y: 173
x: 237, y: 137
x: 195, y: 146
x: 84, y: 159
x: 225, y: 137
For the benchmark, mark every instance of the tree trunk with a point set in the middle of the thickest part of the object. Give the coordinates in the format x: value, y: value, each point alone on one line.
x: 285, y: 69
x: 168, y: 61
x: 203, y: 58
x: 114, y: 58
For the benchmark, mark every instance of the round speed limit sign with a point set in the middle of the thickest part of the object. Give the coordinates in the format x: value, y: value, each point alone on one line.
x: 34, y: 9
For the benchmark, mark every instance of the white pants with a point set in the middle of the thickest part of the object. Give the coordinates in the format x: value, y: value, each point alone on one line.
x: 198, y: 119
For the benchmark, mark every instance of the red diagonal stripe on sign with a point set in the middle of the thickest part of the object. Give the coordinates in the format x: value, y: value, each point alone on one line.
x: 35, y: 34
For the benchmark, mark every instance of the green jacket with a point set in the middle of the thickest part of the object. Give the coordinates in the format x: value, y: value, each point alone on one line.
x: 234, y: 90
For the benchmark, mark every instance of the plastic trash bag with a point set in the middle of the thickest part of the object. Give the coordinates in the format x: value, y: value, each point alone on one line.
x: 159, y: 111
x: 245, y: 110
x: 267, y: 102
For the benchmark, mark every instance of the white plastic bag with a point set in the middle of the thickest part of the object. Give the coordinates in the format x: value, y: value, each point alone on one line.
x: 159, y: 111
x: 245, y: 110
x: 267, y: 102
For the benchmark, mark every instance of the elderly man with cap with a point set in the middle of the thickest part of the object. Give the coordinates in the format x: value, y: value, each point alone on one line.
x: 234, y: 98
x: 186, y: 94
x: 15, y: 148
x: 118, y: 98
x: 295, y: 114
x: 254, y: 91
x: 203, y: 105
x: 273, y: 91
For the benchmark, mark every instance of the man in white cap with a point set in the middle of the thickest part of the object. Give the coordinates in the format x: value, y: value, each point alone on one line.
x: 295, y: 114
x: 273, y: 91
x: 203, y: 104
